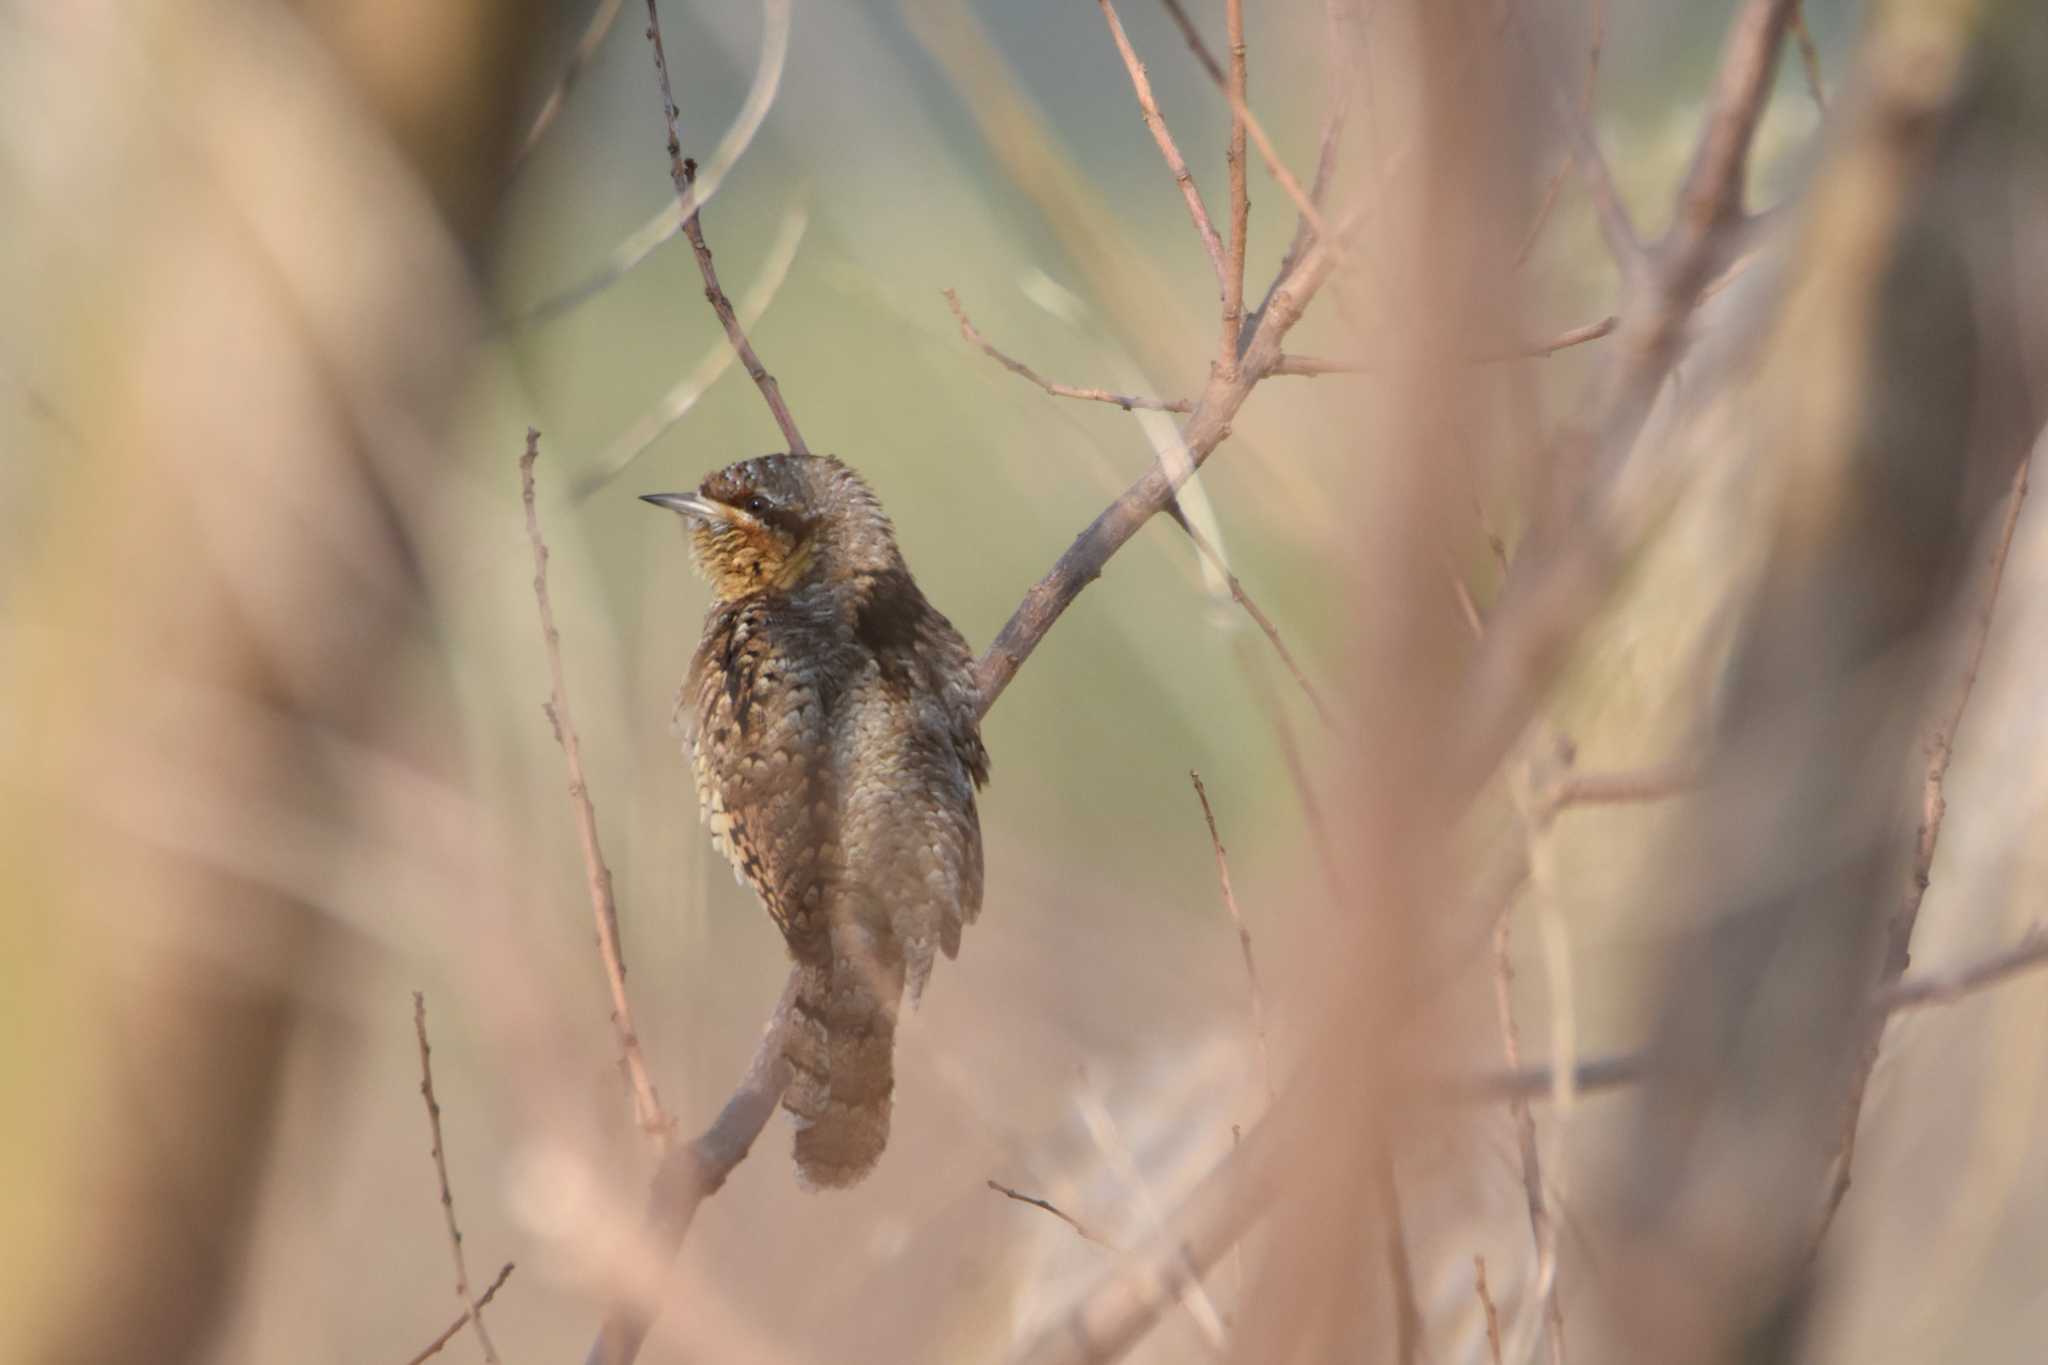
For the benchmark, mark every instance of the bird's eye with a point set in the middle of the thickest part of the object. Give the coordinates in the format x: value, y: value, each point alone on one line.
x: 757, y: 504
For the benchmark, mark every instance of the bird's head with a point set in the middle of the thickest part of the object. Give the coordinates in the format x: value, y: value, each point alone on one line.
x: 777, y: 523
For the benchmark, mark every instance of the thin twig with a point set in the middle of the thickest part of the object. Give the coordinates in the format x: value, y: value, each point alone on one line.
x: 1625, y: 786
x: 1240, y: 199
x: 1486, y: 1307
x: 1251, y: 609
x: 1543, y: 612
x: 1244, y: 935
x: 1204, y: 430
x: 1551, y: 190
x: 448, y: 1333
x: 1153, y: 120
x: 1195, y: 43
x: 1055, y: 1210
x: 1125, y: 401
x: 666, y: 222
x: 1934, y: 805
x: 678, y: 401
x: 462, y: 1289
x: 1306, y: 203
x: 653, y: 1119
x: 1310, y: 367
x: 594, y: 33
x: 683, y: 174
x: 1809, y: 59
x: 1536, y: 822
x: 1945, y: 988
x: 972, y: 335
x: 1539, y: 1081
x: 691, y: 1173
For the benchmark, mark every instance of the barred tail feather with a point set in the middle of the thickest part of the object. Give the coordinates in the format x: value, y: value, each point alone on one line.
x: 841, y: 1054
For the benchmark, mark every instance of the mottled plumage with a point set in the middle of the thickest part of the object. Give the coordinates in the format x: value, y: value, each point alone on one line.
x: 830, y: 713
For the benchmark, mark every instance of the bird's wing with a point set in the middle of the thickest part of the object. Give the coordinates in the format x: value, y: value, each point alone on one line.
x: 754, y: 710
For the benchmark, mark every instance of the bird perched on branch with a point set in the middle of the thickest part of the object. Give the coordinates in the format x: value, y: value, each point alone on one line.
x: 832, y: 716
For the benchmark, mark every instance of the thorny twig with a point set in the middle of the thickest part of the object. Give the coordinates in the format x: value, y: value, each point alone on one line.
x: 462, y: 1290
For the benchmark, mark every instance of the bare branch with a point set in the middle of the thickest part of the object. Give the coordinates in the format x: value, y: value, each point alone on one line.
x: 683, y: 173
x: 594, y: 33
x: 1244, y: 935
x: 1125, y: 401
x: 653, y: 1119
x: 1486, y: 1307
x: 1195, y: 43
x: 666, y: 222
x: 1204, y: 430
x: 448, y: 1333
x: 692, y: 1173
x: 1251, y: 609
x: 1311, y: 367
x: 1153, y: 120
x: 1945, y: 988
x: 462, y: 1289
x: 1934, y: 805
x: 1625, y: 786
x: 678, y: 401
x: 1055, y: 1210
x: 1240, y: 199
x: 1542, y: 612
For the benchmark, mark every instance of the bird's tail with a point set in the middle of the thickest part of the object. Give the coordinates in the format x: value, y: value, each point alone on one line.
x: 841, y: 1050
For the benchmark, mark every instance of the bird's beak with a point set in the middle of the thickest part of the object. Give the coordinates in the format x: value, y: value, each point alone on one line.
x: 696, y: 508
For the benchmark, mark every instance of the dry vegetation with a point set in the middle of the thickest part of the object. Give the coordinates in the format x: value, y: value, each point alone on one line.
x: 1632, y: 718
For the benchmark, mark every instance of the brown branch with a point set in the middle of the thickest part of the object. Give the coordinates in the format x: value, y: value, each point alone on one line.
x: 683, y: 173
x: 1934, y: 805
x: 1542, y: 612
x: 1240, y: 199
x: 1541, y: 1229
x: 1311, y: 367
x: 1238, y: 1188
x: 1244, y: 935
x: 594, y: 34
x: 1195, y: 43
x: 1204, y: 430
x: 653, y: 1119
x: 462, y: 1289
x: 1486, y: 1307
x: 448, y: 1333
x: 1055, y: 1210
x: 1809, y: 58
x: 1945, y: 988
x: 1251, y: 609
x: 1153, y: 120
x: 1127, y: 402
x: 690, y: 1174
x: 973, y: 337
x: 1625, y: 786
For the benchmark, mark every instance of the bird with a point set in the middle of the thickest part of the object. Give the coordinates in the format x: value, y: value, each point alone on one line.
x: 832, y: 719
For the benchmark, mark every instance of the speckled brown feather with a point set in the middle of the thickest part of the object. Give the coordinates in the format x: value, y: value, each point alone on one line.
x: 830, y: 714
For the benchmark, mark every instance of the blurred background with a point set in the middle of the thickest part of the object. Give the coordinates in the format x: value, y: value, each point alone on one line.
x: 286, y: 290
